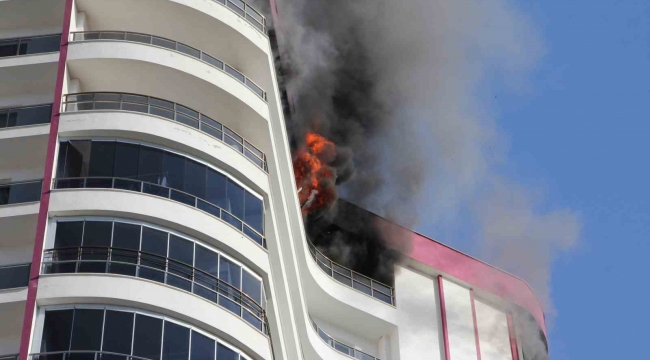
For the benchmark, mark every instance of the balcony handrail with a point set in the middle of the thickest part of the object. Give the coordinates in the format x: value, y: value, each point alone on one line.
x: 170, y: 191
x: 333, y: 342
x: 260, y: 26
x: 9, y: 109
x: 21, y: 38
x: 169, y: 266
x: 353, y: 277
x: 86, y: 352
x: 201, y: 119
x: 250, y: 84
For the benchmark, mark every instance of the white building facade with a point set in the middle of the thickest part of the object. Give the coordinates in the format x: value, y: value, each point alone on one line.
x: 148, y: 209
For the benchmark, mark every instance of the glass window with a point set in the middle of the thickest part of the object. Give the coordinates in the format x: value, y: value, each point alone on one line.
x: 57, y: 329
x: 208, y: 261
x: 60, y: 164
x: 235, y: 198
x: 202, y: 347
x: 40, y: 44
x: 194, y: 178
x: 251, y: 286
x: 68, y: 234
x: 97, y: 238
x: 155, y: 243
x: 176, y: 342
x: 215, y: 192
x: 126, y: 160
x: 230, y: 272
x: 118, y: 330
x: 77, y: 159
x: 8, y: 48
x: 150, y: 165
x: 87, y: 329
x: 225, y: 353
x: 173, y: 170
x: 125, y: 236
x: 101, y: 160
x: 183, y: 251
x: 254, y: 212
x: 147, y: 337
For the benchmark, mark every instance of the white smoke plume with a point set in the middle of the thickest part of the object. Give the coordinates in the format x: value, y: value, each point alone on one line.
x: 396, y: 84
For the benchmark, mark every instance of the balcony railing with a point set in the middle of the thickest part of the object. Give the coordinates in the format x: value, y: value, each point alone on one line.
x: 25, y: 116
x: 170, y: 45
x: 95, y: 259
x: 30, y: 45
x: 339, y: 346
x: 14, y: 276
x: 162, y: 191
x: 9, y: 357
x: 353, y: 279
x: 168, y: 110
x: 83, y: 354
x: 20, y: 192
x: 247, y: 12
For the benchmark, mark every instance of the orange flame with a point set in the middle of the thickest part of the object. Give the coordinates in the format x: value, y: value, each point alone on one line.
x: 313, y: 174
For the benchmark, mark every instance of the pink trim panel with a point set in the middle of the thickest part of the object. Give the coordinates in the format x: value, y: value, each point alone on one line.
x: 443, y: 316
x: 41, y: 224
x: 476, y: 273
x: 478, y: 344
x: 513, y: 339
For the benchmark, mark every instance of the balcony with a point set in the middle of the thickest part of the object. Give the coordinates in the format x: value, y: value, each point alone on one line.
x: 353, y: 279
x: 14, y: 276
x: 29, y: 45
x: 91, y: 259
x: 339, y: 346
x: 20, y: 192
x: 168, y: 110
x: 170, y: 45
x: 25, y: 116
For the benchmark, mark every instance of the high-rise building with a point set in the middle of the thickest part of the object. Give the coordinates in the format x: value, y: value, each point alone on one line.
x: 148, y: 209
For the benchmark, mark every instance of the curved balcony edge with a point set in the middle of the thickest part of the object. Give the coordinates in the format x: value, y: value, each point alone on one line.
x: 337, y: 345
x: 138, y: 293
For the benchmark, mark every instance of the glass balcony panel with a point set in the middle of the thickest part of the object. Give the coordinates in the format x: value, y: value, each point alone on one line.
x: 327, y: 270
x: 363, y: 288
x: 156, y: 190
x: 141, y: 38
x: 117, y: 35
x: 343, y: 348
x: 232, y: 142
x: 186, y: 111
x: 209, y: 208
x: 325, y: 337
x: 236, y: 74
x: 184, y: 119
x: 183, y: 198
x: 94, y: 35
x: 233, y: 5
x: 231, y: 220
x: 255, y: 23
x: 126, y: 184
x: 252, y: 319
x: 259, y: 162
x: 69, y: 183
x: 382, y: 288
x: 113, y: 97
x: 212, y: 61
x: 253, y: 235
x: 341, y: 270
x: 211, y: 122
x: 141, y: 108
x: 230, y: 305
x: 135, y: 98
x: 254, y: 14
x: 383, y: 297
x: 189, y: 50
x: 163, y: 43
x: 362, y: 279
x: 101, y: 183
x: 255, y: 88
x: 363, y: 356
x: 14, y: 276
x: 169, y: 114
x: 212, y: 131
x: 205, y: 293
x: 342, y: 279
x: 104, y: 105
x: 161, y: 103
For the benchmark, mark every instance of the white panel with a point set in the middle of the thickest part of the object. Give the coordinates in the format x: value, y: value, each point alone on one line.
x: 493, y: 333
x: 460, y: 323
x: 418, y: 315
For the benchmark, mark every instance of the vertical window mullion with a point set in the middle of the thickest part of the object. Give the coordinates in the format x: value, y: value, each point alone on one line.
x: 133, y: 334
x: 162, y: 339
x: 74, y: 311
x: 101, y: 342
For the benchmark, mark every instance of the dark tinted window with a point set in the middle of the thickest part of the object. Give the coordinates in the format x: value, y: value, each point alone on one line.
x: 126, y: 236
x: 194, y: 178
x: 206, y: 260
x: 230, y: 272
x: 253, y: 212
x: 181, y: 249
x: 235, y: 196
x: 202, y: 347
x: 60, y: 167
x: 216, y: 189
x: 154, y: 241
x: 68, y: 234
x: 173, y: 170
x: 126, y: 160
x: 251, y: 286
x: 101, y: 158
x: 57, y: 329
x: 147, y: 337
x: 77, y: 159
x: 118, y: 330
x: 98, y: 233
x: 150, y: 165
x: 224, y: 353
x: 176, y: 342
x: 87, y: 329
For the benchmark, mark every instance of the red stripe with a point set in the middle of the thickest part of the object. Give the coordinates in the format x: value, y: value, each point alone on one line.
x: 478, y: 345
x: 443, y: 315
x: 45, y: 191
x: 513, y: 339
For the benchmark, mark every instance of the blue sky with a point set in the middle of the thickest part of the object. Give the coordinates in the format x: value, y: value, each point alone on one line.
x: 582, y: 129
